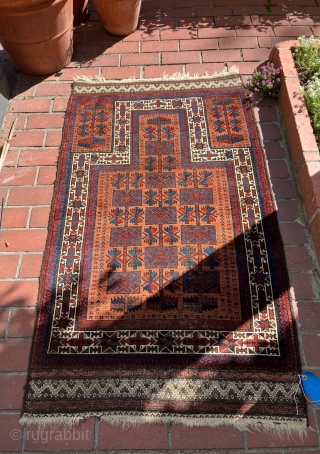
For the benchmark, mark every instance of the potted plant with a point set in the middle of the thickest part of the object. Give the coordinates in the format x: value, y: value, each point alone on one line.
x: 37, y: 34
x: 119, y: 17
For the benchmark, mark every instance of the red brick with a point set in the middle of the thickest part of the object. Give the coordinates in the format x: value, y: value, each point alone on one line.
x: 292, y: 31
x: 41, y: 121
x: 18, y: 176
x: 191, y: 3
x: 300, y: 136
x: 23, y: 240
x: 221, y: 55
x: 140, y: 35
x: 4, y: 314
x: 274, y: 150
x: 79, y: 438
x: 88, y: 51
x: 30, y: 265
x: 11, y: 158
x: 283, y: 189
x: 274, y: 21
x: 146, y: 436
x: 308, y: 315
x: 8, y: 122
x: 270, y: 131
x: 23, y: 90
x: 30, y: 105
x: 18, y: 293
x: 270, y: 42
x: 160, y: 46
x: 22, y: 322
x: 30, y: 196
x: 205, y: 437
x: 266, y: 113
x: 298, y: 258
x: 39, y: 217
x: 146, y: 4
x: 159, y: 71
x: 227, y: 2
x: 255, y: 54
x: 315, y: 20
x: 236, y: 43
x: 8, y: 266
x: 315, y: 233
x: 287, y: 210
x: 106, y: 60
x: 292, y: 233
x: 218, y: 32
x: 70, y: 73
x: 121, y: 73
x: 199, y: 44
x: 247, y: 30
x: 178, y: 34
x: 14, y: 355
x: 216, y: 11
x: 195, y: 23
x: 12, y: 391
x: 54, y: 138
x: 309, y: 181
x: 291, y: 99
x: 181, y: 12
x: 28, y: 139
x: 180, y: 57
x: 122, y: 48
x: 9, y: 424
x: 302, y: 285
x: 15, y: 217
x: 60, y: 104
x: 204, y: 68
x: 278, y: 169
x: 312, y: 10
x: 39, y: 157
x: 150, y: 14
x: 311, y: 349
x: 245, y: 67
x: 47, y: 175
x: 257, y: 439
x: 53, y: 89
x: 229, y: 21
x: 158, y: 24
x: 140, y: 59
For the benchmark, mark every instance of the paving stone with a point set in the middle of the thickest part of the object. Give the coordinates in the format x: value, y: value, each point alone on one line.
x: 205, y: 437
x: 8, y: 265
x: 18, y: 293
x: 11, y: 391
x: 22, y: 322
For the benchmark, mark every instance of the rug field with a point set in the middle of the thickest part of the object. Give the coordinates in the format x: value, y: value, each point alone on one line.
x: 164, y: 294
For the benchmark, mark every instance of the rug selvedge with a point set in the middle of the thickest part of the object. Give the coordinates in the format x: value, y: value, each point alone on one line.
x: 155, y: 195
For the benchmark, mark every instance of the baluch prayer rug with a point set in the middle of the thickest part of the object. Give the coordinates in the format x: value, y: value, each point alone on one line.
x: 164, y: 293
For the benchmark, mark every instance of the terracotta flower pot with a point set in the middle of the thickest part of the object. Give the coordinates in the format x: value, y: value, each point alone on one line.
x: 119, y: 17
x: 37, y: 34
x: 80, y: 11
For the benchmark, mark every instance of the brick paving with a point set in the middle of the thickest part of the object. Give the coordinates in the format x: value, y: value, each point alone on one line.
x: 192, y: 36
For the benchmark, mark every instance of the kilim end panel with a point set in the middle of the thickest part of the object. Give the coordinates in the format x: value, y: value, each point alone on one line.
x: 164, y: 292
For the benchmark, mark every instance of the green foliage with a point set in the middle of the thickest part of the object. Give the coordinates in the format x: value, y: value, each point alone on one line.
x: 268, y: 6
x: 307, y: 57
x: 266, y: 80
x: 311, y: 93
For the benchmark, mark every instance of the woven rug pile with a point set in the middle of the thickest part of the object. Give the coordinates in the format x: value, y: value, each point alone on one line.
x: 164, y: 292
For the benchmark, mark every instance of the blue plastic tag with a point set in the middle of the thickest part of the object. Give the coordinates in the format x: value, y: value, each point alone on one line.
x: 311, y: 386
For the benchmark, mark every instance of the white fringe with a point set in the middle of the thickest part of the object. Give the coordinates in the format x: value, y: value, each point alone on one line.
x: 273, y: 426
x: 176, y: 76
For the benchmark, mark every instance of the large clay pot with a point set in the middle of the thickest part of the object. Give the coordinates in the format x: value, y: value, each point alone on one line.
x: 119, y: 17
x: 37, y: 34
x: 80, y: 11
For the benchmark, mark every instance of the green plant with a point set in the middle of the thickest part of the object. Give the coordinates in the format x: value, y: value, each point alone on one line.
x: 266, y: 80
x: 307, y: 57
x: 268, y: 6
x: 311, y: 93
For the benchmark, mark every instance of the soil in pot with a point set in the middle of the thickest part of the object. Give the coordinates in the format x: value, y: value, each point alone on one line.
x: 119, y: 17
x: 37, y: 34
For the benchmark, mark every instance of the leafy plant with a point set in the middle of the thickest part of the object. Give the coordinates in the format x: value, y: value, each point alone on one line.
x: 311, y: 93
x: 268, y: 6
x: 307, y: 57
x: 266, y: 80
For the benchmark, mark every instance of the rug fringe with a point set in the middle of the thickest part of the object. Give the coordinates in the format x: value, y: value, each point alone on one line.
x: 270, y: 425
x: 176, y: 76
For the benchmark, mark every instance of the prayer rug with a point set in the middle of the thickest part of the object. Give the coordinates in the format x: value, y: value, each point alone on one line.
x: 164, y: 293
